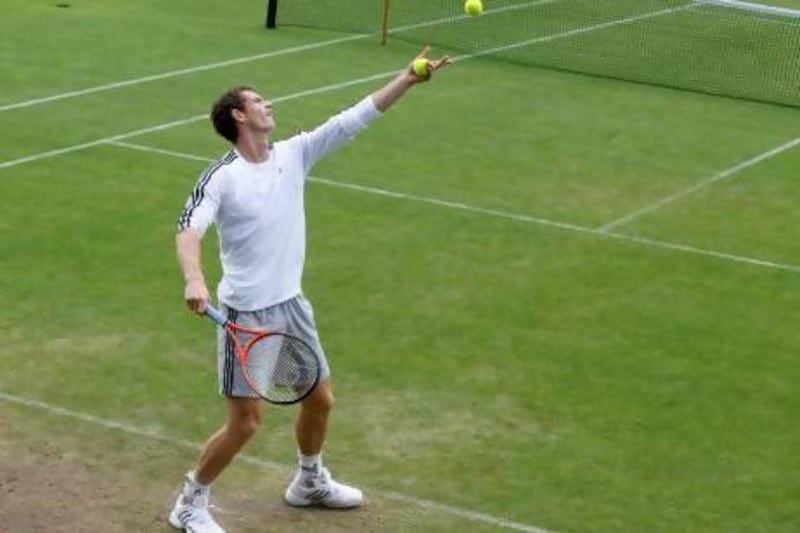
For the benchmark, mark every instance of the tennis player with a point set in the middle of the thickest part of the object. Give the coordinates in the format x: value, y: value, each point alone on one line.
x: 254, y: 196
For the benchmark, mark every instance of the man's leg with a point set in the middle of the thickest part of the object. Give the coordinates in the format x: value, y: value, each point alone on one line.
x: 191, y: 508
x: 312, y: 419
x: 313, y: 485
x: 244, y: 417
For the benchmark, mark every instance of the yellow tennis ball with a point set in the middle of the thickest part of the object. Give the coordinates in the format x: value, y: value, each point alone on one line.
x: 420, y: 67
x: 473, y: 8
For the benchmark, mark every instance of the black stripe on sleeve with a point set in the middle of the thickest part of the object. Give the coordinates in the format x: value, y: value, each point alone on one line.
x: 198, y: 193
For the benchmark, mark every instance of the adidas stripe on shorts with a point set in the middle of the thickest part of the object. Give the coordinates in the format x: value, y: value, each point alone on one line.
x: 294, y: 316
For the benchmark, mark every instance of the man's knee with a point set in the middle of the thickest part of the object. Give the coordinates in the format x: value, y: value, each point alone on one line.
x: 244, y: 418
x: 321, y: 400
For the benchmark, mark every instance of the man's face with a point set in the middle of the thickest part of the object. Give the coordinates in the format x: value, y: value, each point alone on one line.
x: 257, y: 112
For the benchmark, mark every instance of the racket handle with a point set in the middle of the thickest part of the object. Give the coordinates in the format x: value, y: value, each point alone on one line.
x: 214, y: 314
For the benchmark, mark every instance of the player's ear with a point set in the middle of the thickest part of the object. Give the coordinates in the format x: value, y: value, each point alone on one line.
x: 238, y: 115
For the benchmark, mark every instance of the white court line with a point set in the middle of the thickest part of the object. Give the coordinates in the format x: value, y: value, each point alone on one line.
x: 181, y: 122
x: 175, y: 73
x: 114, y: 425
x: 751, y: 7
x: 73, y: 148
x: 579, y: 31
x: 248, y: 59
x: 504, y: 214
x: 701, y: 185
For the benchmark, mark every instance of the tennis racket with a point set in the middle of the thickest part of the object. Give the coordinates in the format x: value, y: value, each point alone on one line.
x: 278, y: 367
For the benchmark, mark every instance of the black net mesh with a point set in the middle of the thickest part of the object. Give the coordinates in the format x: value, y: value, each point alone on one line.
x: 724, y: 47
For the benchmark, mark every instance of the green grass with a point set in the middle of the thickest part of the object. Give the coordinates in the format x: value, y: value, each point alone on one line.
x: 554, y: 376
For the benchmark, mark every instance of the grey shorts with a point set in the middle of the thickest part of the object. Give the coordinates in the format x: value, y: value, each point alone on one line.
x: 294, y: 316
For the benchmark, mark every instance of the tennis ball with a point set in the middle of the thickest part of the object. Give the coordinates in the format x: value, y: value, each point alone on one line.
x: 473, y: 8
x: 420, y: 67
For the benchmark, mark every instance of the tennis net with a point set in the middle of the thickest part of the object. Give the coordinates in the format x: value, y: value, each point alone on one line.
x: 722, y: 47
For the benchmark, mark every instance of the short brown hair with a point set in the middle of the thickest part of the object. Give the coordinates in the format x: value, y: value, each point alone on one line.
x: 222, y: 112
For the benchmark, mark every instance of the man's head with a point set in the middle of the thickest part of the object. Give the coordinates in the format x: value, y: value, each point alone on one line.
x: 241, y: 108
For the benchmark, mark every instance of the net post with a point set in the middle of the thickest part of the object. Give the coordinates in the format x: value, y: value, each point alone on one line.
x: 384, y: 22
x: 272, y: 10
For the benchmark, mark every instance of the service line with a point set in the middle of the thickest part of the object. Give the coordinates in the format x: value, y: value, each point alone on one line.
x: 519, y: 217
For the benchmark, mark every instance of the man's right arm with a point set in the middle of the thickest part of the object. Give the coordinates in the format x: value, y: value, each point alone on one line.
x: 187, y: 245
x: 199, y: 212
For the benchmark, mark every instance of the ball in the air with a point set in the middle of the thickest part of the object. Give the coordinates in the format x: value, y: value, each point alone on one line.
x: 420, y: 67
x: 473, y: 8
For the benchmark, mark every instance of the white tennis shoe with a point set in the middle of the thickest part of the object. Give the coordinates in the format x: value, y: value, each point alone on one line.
x: 191, y: 514
x: 321, y: 490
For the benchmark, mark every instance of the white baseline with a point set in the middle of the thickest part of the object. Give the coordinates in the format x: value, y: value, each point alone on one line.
x: 114, y: 425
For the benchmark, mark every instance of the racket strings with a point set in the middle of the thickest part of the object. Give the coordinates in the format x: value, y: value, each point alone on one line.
x: 282, y: 368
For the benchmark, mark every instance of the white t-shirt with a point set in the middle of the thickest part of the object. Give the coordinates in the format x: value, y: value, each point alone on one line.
x: 259, y: 212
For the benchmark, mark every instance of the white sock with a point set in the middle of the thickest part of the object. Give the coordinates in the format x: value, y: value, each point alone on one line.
x: 192, y: 487
x: 310, y: 464
x: 191, y: 477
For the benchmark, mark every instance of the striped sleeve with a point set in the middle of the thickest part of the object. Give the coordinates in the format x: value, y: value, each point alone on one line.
x: 200, y: 210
